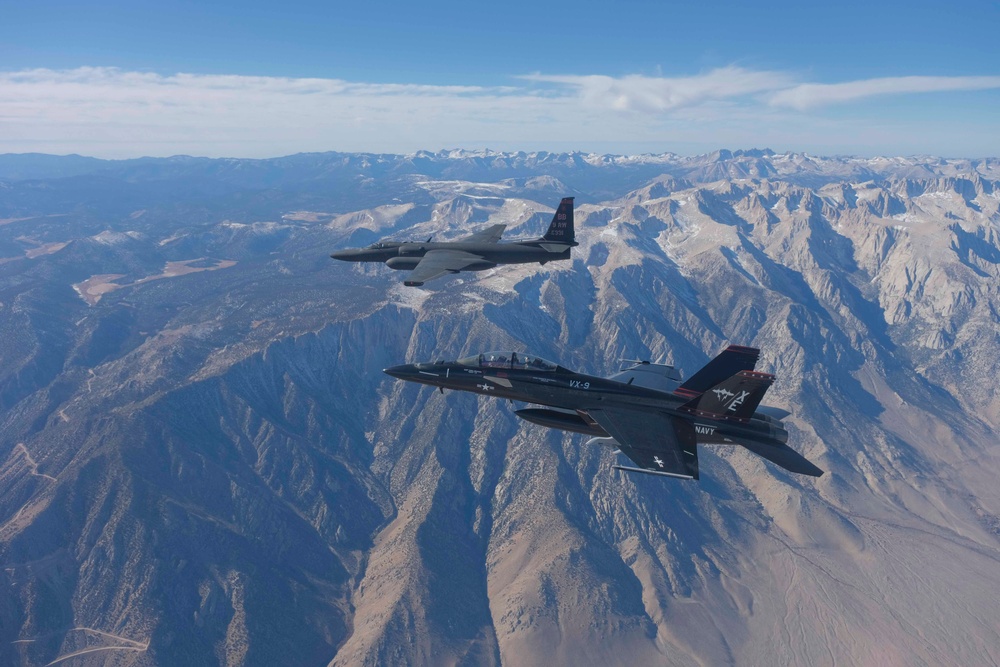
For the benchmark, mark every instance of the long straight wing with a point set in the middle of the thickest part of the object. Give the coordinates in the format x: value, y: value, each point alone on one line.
x: 655, y: 442
x: 489, y: 235
x: 437, y: 263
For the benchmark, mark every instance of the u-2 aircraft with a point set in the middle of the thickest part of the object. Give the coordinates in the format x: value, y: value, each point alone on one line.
x: 645, y: 410
x: 477, y: 252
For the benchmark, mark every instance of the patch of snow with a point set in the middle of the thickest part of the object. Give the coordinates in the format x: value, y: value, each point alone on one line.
x: 408, y: 297
x: 108, y: 237
x: 171, y: 238
x: 462, y: 186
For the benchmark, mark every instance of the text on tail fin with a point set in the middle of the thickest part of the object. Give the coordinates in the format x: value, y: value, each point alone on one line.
x: 561, y: 228
x: 735, y: 398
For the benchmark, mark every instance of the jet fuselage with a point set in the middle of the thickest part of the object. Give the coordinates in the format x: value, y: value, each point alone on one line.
x: 476, y: 252
x: 566, y: 390
x: 405, y: 255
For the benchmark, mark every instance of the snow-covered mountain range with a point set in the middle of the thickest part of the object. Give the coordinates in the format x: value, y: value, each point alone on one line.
x: 202, y: 463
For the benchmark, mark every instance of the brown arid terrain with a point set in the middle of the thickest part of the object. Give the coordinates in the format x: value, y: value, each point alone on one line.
x: 212, y: 469
x: 93, y: 288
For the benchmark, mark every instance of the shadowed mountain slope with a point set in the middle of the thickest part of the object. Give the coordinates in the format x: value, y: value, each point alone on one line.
x: 202, y: 463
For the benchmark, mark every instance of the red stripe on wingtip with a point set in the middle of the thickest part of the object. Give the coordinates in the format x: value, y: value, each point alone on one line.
x: 686, y: 393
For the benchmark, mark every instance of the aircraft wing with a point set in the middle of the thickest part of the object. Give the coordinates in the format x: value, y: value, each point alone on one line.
x: 655, y: 442
x: 489, y: 235
x: 437, y: 263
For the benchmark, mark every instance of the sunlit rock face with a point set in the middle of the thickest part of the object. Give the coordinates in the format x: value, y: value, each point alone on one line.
x: 202, y: 463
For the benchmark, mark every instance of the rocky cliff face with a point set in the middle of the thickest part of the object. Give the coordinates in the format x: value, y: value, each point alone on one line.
x: 201, y: 462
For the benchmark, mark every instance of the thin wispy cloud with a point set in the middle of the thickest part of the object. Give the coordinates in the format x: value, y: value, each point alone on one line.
x: 662, y: 94
x: 117, y: 113
x: 812, y: 95
x: 779, y: 89
x: 244, y: 114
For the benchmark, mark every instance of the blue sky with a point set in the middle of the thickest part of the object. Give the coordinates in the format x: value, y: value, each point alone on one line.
x: 253, y: 79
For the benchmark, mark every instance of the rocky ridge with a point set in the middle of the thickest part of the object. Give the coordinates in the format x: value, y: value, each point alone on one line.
x: 211, y: 469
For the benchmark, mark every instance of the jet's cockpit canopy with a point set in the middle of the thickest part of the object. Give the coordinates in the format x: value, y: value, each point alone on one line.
x: 510, y: 360
x: 376, y: 246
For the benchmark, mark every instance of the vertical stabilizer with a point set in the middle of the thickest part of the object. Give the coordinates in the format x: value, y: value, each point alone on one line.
x: 729, y: 362
x: 561, y: 228
x: 735, y: 398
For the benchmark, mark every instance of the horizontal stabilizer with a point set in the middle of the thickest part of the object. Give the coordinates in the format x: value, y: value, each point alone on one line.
x: 773, y: 412
x: 728, y: 363
x: 783, y: 456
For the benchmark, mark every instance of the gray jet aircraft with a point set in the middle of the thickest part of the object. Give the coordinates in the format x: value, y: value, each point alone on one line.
x: 645, y: 411
x: 478, y: 252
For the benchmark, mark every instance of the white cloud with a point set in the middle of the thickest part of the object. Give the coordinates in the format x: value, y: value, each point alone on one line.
x: 115, y: 113
x: 242, y: 115
x: 811, y: 95
x: 661, y: 94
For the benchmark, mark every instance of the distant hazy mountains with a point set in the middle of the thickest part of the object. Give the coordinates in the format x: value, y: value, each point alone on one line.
x: 201, y: 462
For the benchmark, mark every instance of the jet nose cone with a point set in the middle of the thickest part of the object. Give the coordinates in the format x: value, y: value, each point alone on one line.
x: 404, y: 372
x: 342, y: 254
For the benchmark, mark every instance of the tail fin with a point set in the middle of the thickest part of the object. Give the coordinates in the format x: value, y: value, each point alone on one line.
x: 735, y: 398
x: 730, y: 361
x: 561, y: 228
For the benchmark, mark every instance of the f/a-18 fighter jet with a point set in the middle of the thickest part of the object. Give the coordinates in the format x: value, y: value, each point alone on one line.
x: 645, y: 411
x: 477, y: 252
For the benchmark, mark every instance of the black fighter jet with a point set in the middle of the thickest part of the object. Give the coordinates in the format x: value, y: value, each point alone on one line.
x: 644, y: 411
x: 478, y: 252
